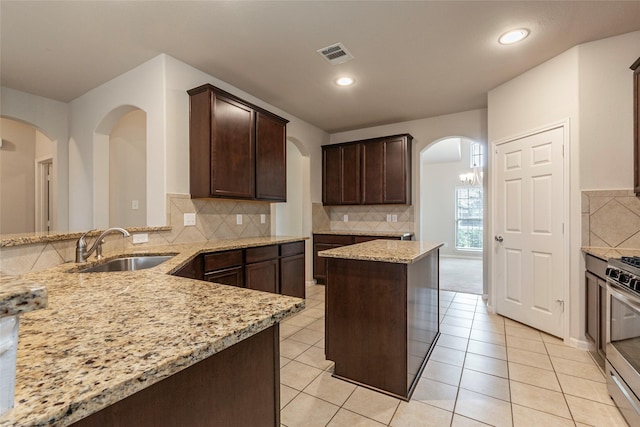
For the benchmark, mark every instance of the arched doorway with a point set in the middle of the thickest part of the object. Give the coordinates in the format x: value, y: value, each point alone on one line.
x: 28, y: 167
x: 120, y: 169
x: 452, y: 209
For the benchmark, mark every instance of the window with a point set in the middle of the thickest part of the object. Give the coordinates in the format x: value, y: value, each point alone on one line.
x: 476, y: 156
x: 469, y: 218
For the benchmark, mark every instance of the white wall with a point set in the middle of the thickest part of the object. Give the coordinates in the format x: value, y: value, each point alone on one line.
x: 606, y: 112
x: 128, y: 171
x: 52, y: 119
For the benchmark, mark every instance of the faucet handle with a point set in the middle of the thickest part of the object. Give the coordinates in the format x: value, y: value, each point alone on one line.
x: 81, y: 241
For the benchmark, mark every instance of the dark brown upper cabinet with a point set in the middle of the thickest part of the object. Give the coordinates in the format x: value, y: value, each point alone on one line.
x: 236, y: 149
x: 369, y: 172
x: 636, y: 126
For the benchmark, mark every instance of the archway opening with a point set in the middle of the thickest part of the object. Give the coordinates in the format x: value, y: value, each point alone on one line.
x: 452, y: 210
x: 28, y: 167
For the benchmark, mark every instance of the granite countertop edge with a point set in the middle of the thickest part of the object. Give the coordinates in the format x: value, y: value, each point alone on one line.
x: 19, y: 296
x: 391, y: 251
x: 195, y: 319
x: 604, y: 253
x: 365, y: 233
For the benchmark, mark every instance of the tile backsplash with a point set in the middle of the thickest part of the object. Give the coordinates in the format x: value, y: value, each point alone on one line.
x: 363, y: 218
x: 216, y: 219
x: 610, y: 219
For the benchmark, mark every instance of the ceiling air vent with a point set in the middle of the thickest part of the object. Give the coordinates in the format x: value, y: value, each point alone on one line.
x: 335, y: 54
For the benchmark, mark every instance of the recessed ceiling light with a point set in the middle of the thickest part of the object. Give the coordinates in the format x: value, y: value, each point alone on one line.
x: 513, y: 36
x: 344, y: 81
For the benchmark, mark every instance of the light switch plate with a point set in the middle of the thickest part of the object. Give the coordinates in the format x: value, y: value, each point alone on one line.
x: 263, y: 218
x: 345, y: 218
x: 135, y: 205
x: 394, y: 218
x: 189, y: 219
x: 140, y: 238
x: 389, y: 218
x: 239, y: 219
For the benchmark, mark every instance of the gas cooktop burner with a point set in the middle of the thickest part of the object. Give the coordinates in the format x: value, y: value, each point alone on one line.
x: 631, y: 260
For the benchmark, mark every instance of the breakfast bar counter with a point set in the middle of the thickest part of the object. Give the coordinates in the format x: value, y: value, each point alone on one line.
x: 107, y: 338
x: 382, y: 312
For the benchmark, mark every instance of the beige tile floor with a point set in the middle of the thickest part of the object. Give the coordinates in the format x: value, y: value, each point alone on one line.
x: 485, y: 370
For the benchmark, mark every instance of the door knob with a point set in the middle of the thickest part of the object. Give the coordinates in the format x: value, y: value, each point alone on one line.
x: 499, y: 239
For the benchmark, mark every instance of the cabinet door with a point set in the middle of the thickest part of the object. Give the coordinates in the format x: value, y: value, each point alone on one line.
x: 331, y: 175
x: 230, y: 276
x: 271, y: 158
x: 232, y: 148
x: 592, y: 308
x: 372, y: 172
x: 320, y: 263
x: 292, y: 276
x: 386, y: 171
x: 350, y: 174
x: 263, y: 276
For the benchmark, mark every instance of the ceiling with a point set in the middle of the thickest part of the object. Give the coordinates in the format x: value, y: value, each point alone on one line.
x: 412, y: 59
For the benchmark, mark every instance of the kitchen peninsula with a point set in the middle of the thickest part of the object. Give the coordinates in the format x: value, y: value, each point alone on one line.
x: 382, y: 312
x: 150, y: 347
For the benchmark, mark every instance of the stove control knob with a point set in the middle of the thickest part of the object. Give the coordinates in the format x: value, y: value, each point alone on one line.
x: 633, y: 283
x: 612, y: 272
x: 624, y: 278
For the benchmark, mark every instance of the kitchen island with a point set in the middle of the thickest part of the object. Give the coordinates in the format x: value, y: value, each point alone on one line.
x: 150, y: 348
x: 382, y: 312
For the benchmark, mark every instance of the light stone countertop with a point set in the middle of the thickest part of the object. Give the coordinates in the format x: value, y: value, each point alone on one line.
x: 606, y: 253
x: 366, y: 233
x: 393, y: 251
x: 8, y: 240
x: 105, y: 336
x: 19, y: 296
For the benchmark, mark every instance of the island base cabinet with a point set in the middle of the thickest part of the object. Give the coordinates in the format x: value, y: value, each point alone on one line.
x: 381, y: 321
x: 240, y: 386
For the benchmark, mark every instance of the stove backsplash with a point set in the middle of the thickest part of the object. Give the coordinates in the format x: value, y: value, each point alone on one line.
x: 610, y: 219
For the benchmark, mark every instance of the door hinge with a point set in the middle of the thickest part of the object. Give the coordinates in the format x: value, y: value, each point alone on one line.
x: 561, y: 302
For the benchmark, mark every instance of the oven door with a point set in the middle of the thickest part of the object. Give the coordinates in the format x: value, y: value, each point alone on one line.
x: 623, y: 351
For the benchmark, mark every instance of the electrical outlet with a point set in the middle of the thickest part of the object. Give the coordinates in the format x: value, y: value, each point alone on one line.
x: 189, y: 219
x: 345, y: 218
x: 239, y: 219
x: 135, y: 205
x: 263, y: 218
x: 394, y: 218
x: 140, y: 238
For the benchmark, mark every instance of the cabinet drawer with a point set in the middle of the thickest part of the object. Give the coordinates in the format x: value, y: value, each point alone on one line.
x: 221, y: 260
x: 261, y: 253
x: 290, y: 249
x: 331, y: 238
x: 596, y: 266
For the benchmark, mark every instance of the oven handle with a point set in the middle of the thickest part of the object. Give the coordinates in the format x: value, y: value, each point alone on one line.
x: 624, y: 392
x: 622, y: 294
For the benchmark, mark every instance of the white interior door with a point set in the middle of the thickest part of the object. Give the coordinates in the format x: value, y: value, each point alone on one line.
x: 529, y: 241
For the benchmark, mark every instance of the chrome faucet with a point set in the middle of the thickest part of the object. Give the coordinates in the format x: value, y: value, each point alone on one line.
x: 81, y: 245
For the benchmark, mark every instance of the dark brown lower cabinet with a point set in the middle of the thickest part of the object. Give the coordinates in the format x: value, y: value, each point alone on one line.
x: 224, y: 267
x: 230, y: 276
x: 263, y: 276
x: 292, y: 276
x: 192, y: 269
x: 240, y: 386
x: 596, y: 307
x: 381, y: 321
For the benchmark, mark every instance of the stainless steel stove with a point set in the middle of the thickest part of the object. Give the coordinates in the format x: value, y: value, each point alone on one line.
x: 623, y: 336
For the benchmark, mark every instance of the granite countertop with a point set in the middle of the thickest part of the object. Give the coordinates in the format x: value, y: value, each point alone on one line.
x: 606, y: 253
x: 366, y: 233
x: 399, y: 252
x: 19, y: 296
x: 7, y: 240
x: 105, y: 336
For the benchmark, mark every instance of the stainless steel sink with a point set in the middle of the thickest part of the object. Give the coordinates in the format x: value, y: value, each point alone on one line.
x: 129, y: 263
